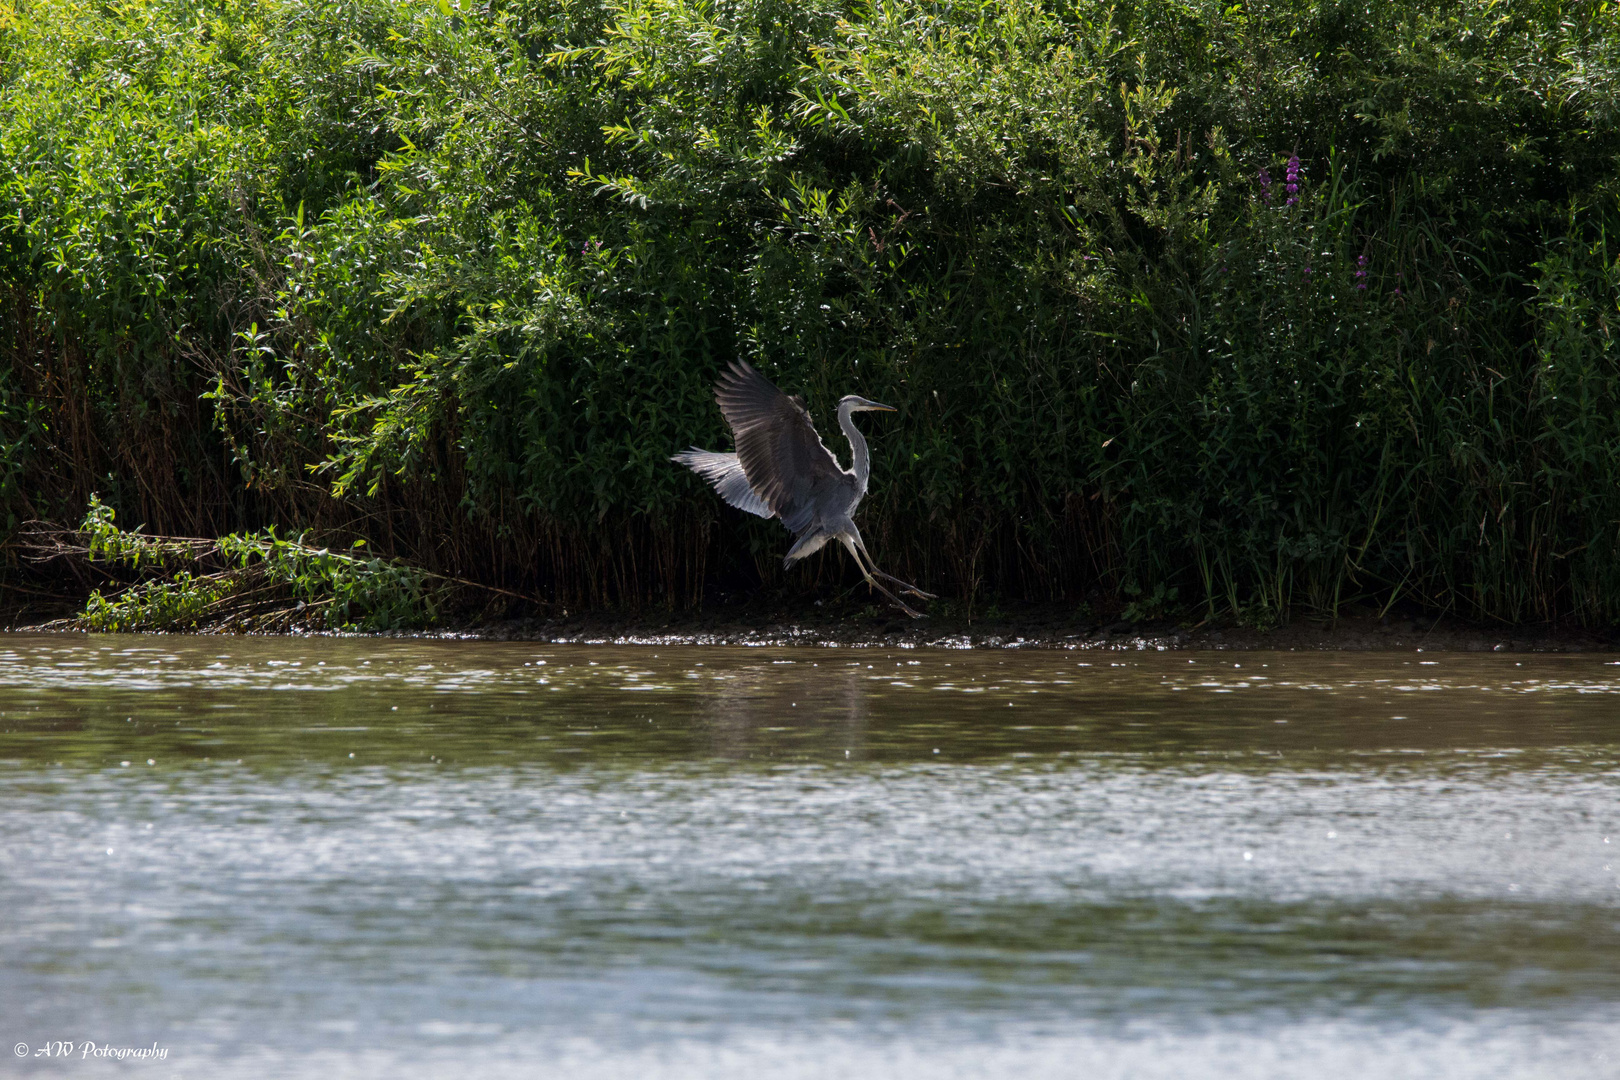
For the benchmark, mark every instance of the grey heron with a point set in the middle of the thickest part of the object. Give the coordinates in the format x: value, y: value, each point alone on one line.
x: 782, y: 469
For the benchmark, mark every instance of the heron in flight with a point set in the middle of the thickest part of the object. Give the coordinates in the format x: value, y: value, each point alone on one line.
x: 782, y: 469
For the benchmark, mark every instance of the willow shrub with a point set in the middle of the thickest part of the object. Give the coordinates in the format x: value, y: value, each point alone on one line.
x: 1265, y: 307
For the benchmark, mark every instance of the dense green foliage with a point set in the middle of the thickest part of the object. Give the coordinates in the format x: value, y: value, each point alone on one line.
x: 458, y: 280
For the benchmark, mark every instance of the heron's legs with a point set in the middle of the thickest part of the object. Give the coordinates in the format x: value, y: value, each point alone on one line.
x: 904, y: 586
x: 871, y: 565
x: 872, y: 581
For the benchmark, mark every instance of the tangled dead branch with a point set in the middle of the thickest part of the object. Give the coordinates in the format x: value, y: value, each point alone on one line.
x: 244, y: 582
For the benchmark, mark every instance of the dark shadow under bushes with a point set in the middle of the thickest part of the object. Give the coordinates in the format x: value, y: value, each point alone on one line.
x: 1238, y: 311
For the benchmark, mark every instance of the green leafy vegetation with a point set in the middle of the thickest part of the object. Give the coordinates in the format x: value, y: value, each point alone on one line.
x: 254, y: 581
x: 1245, y: 310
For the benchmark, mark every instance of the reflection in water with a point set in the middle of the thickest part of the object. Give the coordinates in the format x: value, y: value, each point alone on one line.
x: 391, y: 858
x: 754, y: 709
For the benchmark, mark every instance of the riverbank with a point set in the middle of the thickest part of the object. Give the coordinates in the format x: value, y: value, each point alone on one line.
x: 760, y: 621
x: 1041, y: 628
x: 356, y: 323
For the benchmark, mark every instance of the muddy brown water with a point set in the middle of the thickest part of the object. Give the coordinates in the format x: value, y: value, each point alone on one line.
x: 398, y: 858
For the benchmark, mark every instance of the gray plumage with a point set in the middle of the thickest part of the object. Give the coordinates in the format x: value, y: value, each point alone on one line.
x: 725, y: 473
x: 782, y: 469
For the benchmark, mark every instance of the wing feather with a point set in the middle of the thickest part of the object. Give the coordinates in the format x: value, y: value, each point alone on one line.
x: 724, y: 472
x: 788, y: 466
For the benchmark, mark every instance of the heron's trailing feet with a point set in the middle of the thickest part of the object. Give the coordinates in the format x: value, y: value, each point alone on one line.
x: 782, y: 469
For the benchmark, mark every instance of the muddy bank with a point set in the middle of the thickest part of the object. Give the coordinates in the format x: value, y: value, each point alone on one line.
x: 1039, y: 628
x: 765, y: 622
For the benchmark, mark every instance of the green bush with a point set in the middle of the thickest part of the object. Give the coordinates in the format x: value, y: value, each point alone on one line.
x: 457, y: 279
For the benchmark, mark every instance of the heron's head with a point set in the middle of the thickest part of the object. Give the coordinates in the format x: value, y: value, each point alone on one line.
x: 856, y: 403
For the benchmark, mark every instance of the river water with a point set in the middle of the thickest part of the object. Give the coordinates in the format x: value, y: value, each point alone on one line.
x: 399, y: 858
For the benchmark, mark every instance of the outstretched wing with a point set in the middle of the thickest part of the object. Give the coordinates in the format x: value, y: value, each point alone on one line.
x: 725, y: 472
x: 787, y: 465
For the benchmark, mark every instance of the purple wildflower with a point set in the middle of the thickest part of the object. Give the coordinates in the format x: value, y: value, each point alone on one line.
x: 1361, y: 273
x: 1293, y: 181
x: 1265, y: 187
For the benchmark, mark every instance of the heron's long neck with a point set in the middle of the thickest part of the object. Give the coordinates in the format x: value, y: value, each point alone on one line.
x: 857, y: 445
